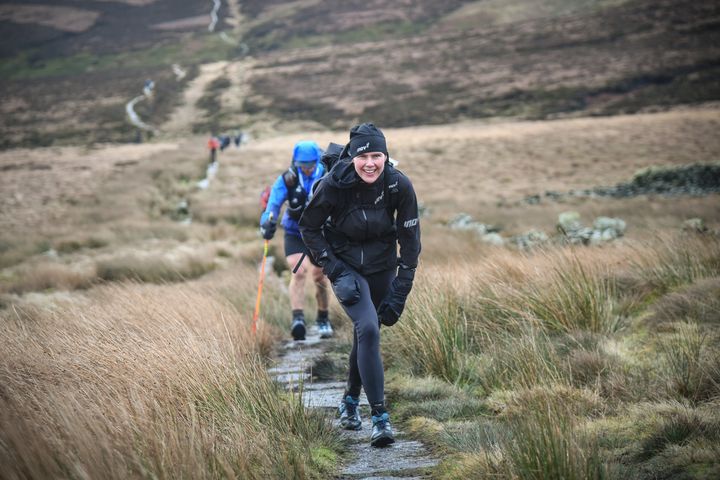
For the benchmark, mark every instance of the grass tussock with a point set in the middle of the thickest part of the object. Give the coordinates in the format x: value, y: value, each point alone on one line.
x: 545, y: 442
x: 698, y: 302
x: 514, y: 404
x: 549, y: 443
x: 522, y: 361
x: 671, y: 262
x: 48, y: 275
x: 435, y: 333
x: 75, y: 243
x: 691, y: 363
x: 574, y: 297
x: 153, y: 268
x: 140, y: 381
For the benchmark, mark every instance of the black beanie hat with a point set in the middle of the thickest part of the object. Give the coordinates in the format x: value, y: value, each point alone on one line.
x: 364, y: 138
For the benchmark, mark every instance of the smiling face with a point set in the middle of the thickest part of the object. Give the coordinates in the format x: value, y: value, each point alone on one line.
x: 369, y: 166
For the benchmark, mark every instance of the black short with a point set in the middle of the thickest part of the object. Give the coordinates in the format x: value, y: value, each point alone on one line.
x: 294, y: 244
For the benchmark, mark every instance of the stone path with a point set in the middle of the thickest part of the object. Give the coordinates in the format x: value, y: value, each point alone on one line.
x: 406, y: 459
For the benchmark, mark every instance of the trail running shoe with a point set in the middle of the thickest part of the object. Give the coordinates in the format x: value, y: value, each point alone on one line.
x: 382, y: 434
x: 350, y: 414
x: 298, y: 329
x: 324, y: 328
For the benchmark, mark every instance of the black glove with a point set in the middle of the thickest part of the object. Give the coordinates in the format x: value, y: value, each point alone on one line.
x: 343, y: 282
x: 267, y: 229
x: 392, y: 306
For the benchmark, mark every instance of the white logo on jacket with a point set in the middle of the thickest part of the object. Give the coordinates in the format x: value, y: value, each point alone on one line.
x: 410, y: 223
x: 378, y: 199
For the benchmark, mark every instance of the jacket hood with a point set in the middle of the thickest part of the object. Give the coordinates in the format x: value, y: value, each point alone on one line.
x: 343, y: 174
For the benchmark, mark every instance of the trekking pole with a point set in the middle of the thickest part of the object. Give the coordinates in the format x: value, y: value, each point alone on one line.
x: 297, y: 265
x: 260, y: 284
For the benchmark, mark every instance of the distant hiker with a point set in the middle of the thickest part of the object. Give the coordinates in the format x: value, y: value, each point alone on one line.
x: 148, y: 87
x: 213, y: 145
x: 358, y: 214
x: 224, y: 142
x: 294, y: 186
x: 237, y: 138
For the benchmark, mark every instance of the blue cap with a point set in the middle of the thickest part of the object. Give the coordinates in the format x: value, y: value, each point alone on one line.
x: 306, y: 151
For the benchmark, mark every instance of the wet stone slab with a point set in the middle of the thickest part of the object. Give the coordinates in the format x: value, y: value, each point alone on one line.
x: 292, y: 379
x: 324, y: 385
x: 327, y: 397
x: 280, y: 369
x: 402, y: 455
x: 300, y: 355
x: 391, y: 478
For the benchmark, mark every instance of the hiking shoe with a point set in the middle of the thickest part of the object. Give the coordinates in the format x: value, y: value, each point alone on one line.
x: 324, y: 328
x: 382, y: 434
x: 350, y: 414
x: 297, y: 329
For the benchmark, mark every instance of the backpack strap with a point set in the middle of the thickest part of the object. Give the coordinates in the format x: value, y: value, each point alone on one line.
x: 391, y: 190
x: 291, y: 178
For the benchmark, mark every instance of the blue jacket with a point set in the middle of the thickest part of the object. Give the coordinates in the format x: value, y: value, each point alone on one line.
x: 279, y: 193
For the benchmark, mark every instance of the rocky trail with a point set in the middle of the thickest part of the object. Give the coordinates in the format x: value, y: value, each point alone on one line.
x: 406, y: 459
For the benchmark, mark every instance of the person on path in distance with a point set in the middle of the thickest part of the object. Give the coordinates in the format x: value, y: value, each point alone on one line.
x: 294, y: 186
x: 224, y: 142
x: 213, y: 145
x: 357, y: 216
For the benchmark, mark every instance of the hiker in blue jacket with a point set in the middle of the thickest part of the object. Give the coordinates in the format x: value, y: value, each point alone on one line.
x: 294, y: 186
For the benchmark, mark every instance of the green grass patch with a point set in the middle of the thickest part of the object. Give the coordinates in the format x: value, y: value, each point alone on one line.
x: 199, y: 49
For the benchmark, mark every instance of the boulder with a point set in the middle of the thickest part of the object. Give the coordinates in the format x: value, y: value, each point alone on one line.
x: 696, y: 225
x: 569, y: 221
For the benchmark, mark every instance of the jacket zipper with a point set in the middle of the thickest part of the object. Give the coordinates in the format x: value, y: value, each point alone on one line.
x: 362, y: 249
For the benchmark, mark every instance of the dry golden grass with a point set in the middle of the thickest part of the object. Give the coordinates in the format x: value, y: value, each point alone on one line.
x: 136, y: 380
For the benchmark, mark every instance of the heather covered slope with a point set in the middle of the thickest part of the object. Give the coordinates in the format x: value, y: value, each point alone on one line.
x: 67, y: 71
x: 420, y: 69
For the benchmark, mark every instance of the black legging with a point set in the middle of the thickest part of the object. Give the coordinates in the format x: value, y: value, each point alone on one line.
x: 366, y: 367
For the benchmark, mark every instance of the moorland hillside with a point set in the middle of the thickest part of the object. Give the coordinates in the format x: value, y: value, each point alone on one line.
x: 329, y: 64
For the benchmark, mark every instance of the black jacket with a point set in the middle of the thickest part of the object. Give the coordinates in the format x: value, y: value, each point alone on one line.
x: 353, y: 221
